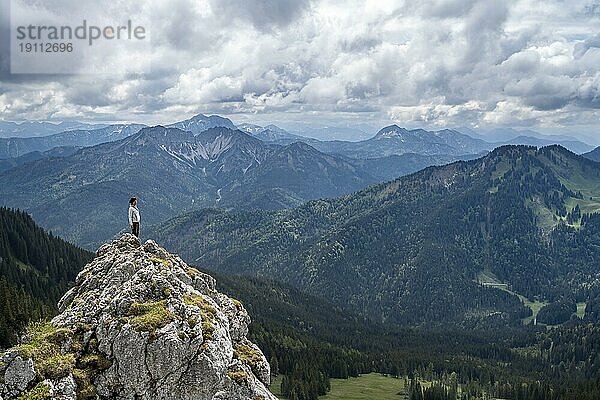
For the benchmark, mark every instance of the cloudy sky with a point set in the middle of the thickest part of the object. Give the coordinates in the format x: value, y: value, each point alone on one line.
x: 439, y: 63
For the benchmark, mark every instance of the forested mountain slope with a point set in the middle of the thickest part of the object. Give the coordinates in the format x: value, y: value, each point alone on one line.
x: 36, y: 268
x: 410, y: 250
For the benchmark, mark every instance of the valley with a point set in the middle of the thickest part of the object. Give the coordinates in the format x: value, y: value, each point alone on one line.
x: 310, y: 339
x: 334, y: 246
x: 300, y: 200
x: 464, y: 267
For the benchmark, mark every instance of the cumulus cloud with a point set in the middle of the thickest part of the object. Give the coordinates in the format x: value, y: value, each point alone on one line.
x: 262, y: 13
x: 581, y: 48
x: 438, y: 63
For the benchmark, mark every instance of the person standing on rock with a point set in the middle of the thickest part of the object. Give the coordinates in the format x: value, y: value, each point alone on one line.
x: 134, y: 217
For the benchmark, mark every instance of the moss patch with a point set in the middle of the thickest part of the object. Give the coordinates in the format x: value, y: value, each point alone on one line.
x: 192, y: 272
x: 237, y: 303
x: 192, y: 322
x: 162, y: 261
x: 150, y: 316
x: 42, y: 345
x: 207, y: 313
x: 87, y: 368
x: 85, y: 387
x: 247, y: 355
x: 41, y: 391
x: 95, y: 361
x: 240, y: 377
x: 56, y: 366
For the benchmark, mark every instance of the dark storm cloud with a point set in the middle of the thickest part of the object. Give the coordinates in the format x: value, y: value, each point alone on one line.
x: 588, y: 94
x: 181, y: 26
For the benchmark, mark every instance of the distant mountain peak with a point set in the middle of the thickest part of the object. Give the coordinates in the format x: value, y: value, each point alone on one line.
x: 301, y: 146
x: 447, y: 131
x: 275, y: 128
x: 160, y: 130
x: 593, y: 155
x: 200, y: 123
x: 391, y: 131
x: 198, y: 116
x: 250, y: 128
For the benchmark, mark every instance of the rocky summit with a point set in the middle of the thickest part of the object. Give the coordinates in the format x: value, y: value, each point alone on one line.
x: 139, y: 324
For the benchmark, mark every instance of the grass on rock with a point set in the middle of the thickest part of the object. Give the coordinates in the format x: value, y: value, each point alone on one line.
x: 207, y: 313
x: 150, y: 316
x: 42, y: 345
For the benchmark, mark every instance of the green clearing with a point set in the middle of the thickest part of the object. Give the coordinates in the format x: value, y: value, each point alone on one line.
x: 586, y: 205
x: 275, y: 387
x: 588, y: 186
x: 487, y: 278
x: 367, y: 387
x: 576, y: 179
x: 502, y: 168
x: 546, y: 218
x: 535, y: 308
x: 581, y: 310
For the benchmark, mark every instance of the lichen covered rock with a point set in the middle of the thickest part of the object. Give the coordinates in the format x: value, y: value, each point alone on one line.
x: 139, y: 324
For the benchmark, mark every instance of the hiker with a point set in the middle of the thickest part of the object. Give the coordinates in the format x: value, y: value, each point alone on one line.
x: 134, y: 217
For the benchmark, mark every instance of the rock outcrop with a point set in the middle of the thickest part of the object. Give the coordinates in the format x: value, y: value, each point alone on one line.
x: 139, y: 324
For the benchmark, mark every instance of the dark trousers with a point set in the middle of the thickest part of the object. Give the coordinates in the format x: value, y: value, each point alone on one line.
x: 135, y: 228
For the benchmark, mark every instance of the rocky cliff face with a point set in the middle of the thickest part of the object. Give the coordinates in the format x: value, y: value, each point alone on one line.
x: 139, y: 324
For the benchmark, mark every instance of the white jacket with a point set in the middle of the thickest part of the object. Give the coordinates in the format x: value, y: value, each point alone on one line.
x: 134, y: 215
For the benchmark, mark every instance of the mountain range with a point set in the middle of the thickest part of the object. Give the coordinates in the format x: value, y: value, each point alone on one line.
x: 391, y: 140
x: 20, y: 146
x: 522, y: 214
x: 39, y: 128
x: 71, y: 180
x: 173, y: 171
x: 394, y: 140
x: 62, y: 151
x: 82, y: 196
x: 505, y: 134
